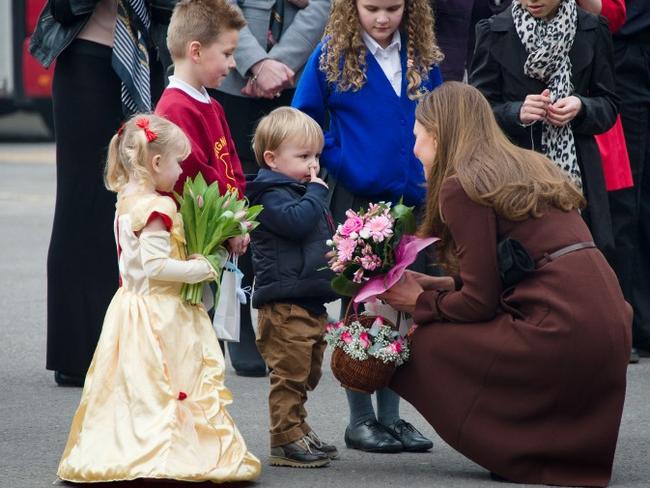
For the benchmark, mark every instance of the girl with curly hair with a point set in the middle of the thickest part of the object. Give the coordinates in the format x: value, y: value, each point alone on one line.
x: 376, y: 59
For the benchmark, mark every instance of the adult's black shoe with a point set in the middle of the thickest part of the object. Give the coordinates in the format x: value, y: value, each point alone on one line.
x: 634, y: 356
x: 371, y: 436
x: 643, y: 352
x: 410, y: 437
x: 63, y: 379
x: 251, y: 373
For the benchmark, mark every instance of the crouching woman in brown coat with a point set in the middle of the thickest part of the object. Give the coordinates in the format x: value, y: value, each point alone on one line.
x: 519, y: 361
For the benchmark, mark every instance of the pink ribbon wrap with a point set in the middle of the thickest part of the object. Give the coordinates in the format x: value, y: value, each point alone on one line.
x: 407, y: 250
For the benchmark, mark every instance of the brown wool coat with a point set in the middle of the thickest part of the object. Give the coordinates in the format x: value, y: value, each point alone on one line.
x: 536, y: 395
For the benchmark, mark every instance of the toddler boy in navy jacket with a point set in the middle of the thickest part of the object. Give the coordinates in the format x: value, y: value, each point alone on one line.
x: 291, y: 284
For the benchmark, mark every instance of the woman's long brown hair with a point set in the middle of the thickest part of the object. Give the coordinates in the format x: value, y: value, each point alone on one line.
x: 517, y: 183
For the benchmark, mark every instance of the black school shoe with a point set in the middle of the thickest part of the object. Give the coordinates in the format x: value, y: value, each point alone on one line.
x: 643, y: 352
x: 63, y: 379
x: 251, y: 373
x: 371, y: 436
x: 410, y: 437
x: 298, y: 454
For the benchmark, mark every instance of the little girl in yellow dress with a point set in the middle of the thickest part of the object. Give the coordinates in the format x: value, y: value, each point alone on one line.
x: 154, y: 400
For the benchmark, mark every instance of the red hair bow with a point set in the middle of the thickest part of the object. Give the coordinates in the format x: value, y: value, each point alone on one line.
x: 143, y: 123
x: 120, y: 131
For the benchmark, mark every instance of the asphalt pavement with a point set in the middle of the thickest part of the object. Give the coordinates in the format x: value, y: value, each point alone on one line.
x: 35, y: 414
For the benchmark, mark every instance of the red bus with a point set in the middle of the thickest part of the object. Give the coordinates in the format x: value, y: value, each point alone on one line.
x: 24, y: 83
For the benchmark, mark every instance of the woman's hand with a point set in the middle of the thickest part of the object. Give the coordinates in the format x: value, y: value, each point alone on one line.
x: 535, y: 107
x: 433, y: 282
x: 271, y: 78
x: 404, y: 294
x: 563, y: 111
x: 239, y: 244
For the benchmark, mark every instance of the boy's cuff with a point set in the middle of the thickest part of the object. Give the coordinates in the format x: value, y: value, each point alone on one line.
x: 317, y: 189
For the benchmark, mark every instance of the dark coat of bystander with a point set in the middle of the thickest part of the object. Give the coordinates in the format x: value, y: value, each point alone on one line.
x: 497, y: 71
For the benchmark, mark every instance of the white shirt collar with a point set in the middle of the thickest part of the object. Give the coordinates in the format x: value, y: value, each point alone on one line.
x: 201, y: 96
x: 374, y: 47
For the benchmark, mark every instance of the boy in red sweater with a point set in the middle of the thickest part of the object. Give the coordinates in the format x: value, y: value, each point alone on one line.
x: 201, y: 38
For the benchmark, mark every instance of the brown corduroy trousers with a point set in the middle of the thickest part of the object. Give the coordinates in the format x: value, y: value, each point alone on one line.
x: 290, y: 339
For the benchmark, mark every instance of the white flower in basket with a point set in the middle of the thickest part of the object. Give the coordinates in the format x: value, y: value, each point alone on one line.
x: 359, y: 342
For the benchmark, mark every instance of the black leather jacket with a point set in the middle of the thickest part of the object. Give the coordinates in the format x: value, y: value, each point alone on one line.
x: 61, y: 21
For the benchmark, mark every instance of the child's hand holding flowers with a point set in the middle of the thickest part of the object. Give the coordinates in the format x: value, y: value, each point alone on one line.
x: 238, y: 244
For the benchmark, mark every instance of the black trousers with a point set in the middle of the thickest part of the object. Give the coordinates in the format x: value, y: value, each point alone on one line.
x: 630, y: 208
x: 243, y: 114
x: 82, y: 273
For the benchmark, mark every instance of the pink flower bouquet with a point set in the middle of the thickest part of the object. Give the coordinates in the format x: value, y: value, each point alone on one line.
x: 372, y: 249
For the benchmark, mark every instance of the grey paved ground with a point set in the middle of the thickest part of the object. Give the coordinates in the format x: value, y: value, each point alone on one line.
x: 35, y: 414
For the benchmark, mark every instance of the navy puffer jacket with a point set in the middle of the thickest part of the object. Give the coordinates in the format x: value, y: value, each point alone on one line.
x: 289, y: 245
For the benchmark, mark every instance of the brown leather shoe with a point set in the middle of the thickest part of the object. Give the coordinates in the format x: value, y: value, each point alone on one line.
x: 298, y: 454
x: 329, y: 449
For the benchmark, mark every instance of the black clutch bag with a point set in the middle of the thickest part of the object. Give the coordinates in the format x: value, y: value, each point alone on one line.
x: 515, y: 263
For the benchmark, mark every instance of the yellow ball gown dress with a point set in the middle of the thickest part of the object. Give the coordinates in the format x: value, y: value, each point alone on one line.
x: 154, y: 401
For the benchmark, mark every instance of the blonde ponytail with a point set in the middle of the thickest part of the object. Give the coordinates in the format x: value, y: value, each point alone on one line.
x: 115, y: 174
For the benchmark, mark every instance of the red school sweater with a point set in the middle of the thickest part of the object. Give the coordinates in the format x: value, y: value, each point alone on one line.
x: 213, y: 150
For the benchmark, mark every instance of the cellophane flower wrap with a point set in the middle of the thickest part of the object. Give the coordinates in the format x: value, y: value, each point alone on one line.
x: 359, y: 342
x: 372, y: 248
x: 210, y: 219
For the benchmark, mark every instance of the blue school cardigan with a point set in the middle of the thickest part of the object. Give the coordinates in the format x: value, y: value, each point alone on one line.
x: 369, y: 143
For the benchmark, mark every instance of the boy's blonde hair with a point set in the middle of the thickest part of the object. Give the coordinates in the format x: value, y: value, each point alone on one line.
x: 281, y: 124
x: 141, y: 138
x: 202, y: 21
x: 343, y: 58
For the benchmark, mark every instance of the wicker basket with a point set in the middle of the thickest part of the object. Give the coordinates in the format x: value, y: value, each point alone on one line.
x: 363, y: 376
